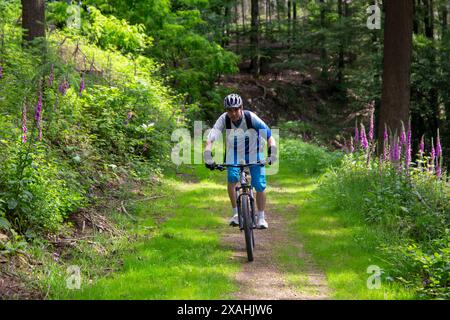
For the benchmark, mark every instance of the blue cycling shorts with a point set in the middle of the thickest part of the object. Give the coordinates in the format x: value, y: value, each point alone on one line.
x: 258, y: 174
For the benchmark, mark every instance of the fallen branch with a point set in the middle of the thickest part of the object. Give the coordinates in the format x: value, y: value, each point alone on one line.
x: 126, y: 212
x: 151, y: 198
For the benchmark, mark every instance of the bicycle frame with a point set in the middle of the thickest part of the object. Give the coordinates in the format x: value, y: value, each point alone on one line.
x: 247, y: 219
x: 247, y: 189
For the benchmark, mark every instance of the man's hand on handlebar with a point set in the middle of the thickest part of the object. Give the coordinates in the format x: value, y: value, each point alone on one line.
x: 209, y: 162
x: 272, y: 155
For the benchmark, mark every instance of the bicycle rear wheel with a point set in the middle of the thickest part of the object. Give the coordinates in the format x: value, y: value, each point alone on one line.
x: 247, y: 224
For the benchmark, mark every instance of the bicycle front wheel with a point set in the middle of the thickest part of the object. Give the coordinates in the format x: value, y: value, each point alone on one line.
x: 247, y: 224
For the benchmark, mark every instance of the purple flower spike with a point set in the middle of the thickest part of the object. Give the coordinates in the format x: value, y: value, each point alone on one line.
x: 408, y: 150
x: 352, y: 147
x: 385, y: 143
x: 24, y: 124
x: 1, y: 72
x: 38, y: 109
x: 438, y: 146
x: 396, y: 150
x: 63, y: 86
x: 371, y: 122
x: 363, y: 138
x: 403, y: 137
x: 51, y: 77
x: 433, y: 155
x: 82, y: 85
x: 438, y: 170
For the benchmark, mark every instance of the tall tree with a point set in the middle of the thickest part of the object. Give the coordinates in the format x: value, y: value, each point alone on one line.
x: 433, y: 92
x: 323, y: 50
x: 254, y: 38
x: 395, y: 98
x: 33, y: 19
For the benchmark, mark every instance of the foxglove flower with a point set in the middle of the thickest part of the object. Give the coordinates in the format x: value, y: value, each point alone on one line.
x: 408, y: 150
x: 438, y: 170
x: 433, y: 155
x: 82, y: 85
x: 63, y: 86
x: 371, y: 123
x: 51, y: 77
x: 38, y: 109
x: 1, y: 72
x: 24, y: 124
x: 38, y: 115
x: 403, y: 136
x: 395, y: 151
x: 385, y: 143
x: 352, y: 147
x: 438, y: 146
x: 363, y: 138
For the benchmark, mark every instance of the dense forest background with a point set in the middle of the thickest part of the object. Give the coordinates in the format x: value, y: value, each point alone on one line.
x: 91, y: 92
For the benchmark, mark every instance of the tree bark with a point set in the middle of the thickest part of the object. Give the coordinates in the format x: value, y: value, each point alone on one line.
x: 254, y: 37
x: 395, y: 97
x: 323, y: 51
x: 243, y: 15
x: 226, y: 35
x: 416, y: 4
x: 33, y: 19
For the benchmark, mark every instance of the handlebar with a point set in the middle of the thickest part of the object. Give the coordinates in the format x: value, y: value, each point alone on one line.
x: 223, y: 166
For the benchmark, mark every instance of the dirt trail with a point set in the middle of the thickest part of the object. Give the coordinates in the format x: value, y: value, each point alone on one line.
x: 265, y: 278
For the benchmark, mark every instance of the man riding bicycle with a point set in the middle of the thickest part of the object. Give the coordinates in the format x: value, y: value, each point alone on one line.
x: 245, y: 137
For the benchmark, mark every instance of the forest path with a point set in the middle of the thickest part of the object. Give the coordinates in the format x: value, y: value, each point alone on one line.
x: 281, y: 268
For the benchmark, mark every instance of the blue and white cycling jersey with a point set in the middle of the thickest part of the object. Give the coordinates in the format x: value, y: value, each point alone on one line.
x: 242, y: 143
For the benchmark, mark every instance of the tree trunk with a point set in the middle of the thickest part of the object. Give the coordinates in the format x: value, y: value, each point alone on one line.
x: 226, y: 34
x: 294, y: 13
x: 428, y: 18
x: 278, y: 15
x: 243, y: 15
x: 433, y: 93
x: 323, y: 51
x: 236, y: 25
x: 416, y: 5
x: 289, y: 7
x: 254, y: 38
x: 395, y: 97
x: 444, y: 18
x: 33, y: 19
x: 341, y: 45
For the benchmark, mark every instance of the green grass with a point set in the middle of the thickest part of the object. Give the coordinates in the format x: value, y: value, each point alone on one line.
x: 178, y: 254
x: 341, y: 244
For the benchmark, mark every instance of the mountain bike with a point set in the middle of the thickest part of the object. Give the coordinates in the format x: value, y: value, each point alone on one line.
x: 245, y: 203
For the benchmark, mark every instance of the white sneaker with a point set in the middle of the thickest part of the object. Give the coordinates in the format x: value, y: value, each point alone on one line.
x: 234, y: 221
x: 262, y: 224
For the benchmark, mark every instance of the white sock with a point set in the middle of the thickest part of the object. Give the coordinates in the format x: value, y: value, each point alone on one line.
x: 261, y: 214
x: 235, y: 211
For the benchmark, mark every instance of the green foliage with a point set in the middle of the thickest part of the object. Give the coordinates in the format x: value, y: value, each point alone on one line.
x: 36, y: 195
x: 112, y: 33
x: 308, y: 158
x: 123, y: 118
x: 411, y: 209
x: 192, y: 61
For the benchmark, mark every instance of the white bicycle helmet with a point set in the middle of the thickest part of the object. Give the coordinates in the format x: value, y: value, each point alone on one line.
x: 232, y: 101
